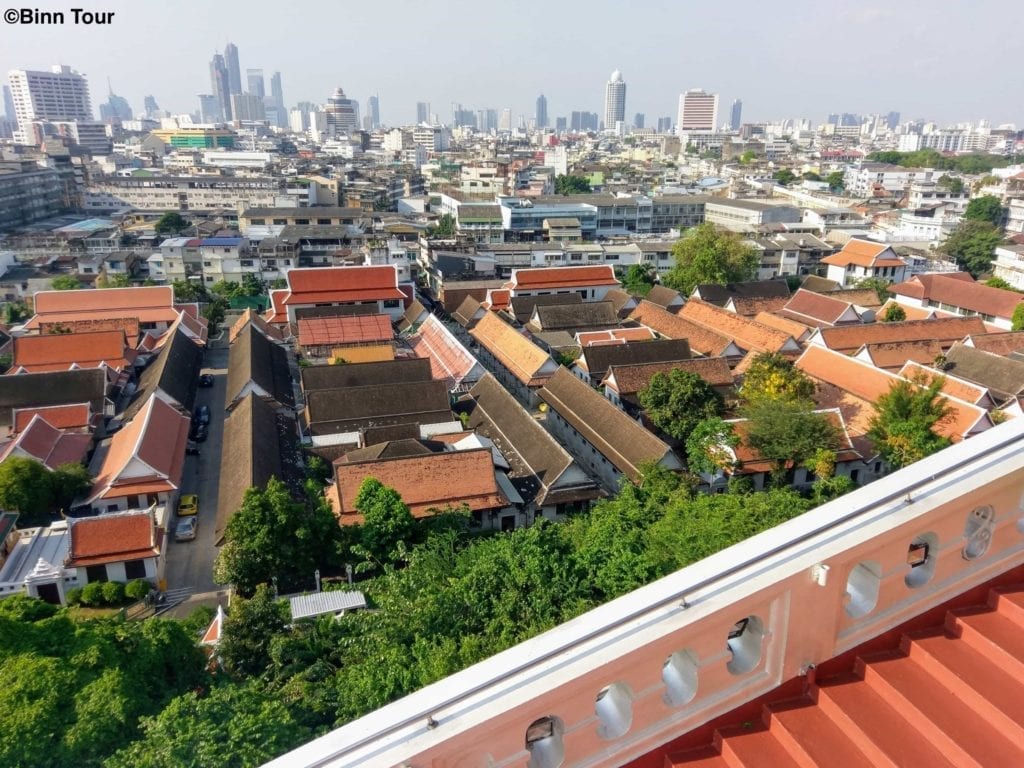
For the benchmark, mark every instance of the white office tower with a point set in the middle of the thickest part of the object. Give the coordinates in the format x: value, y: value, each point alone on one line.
x: 342, y: 115
x: 614, y: 101
x: 60, y: 95
x: 698, y: 111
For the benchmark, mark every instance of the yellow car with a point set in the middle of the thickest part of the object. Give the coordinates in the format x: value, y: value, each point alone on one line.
x: 188, y: 505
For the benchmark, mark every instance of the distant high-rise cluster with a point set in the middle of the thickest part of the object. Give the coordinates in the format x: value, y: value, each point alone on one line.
x: 614, y: 101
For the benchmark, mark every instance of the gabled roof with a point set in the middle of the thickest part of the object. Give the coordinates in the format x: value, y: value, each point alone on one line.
x: 341, y: 331
x: 546, y: 278
x: 524, y: 359
x: 614, y: 336
x: 1002, y: 344
x: 574, y: 317
x: 702, y: 340
x: 850, y: 338
x: 749, y: 306
x: 174, y: 371
x: 466, y: 314
x: 751, y: 461
x: 718, y: 295
x: 32, y: 390
x: 629, y: 379
x: 402, y: 371
x: 620, y: 439
x: 816, y: 309
x: 957, y: 291
x: 249, y: 316
x: 597, y: 359
x: 319, y: 285
x: 450, y: 361
x: 799, y: 331
x: 48, y: 445
x: 112, y: 538
x: 61, y: 351
x: 354, y: 408
x: 77, y: 416
x: 664, y: 296
x: 390, y: 449
x: 1002, y: 375
x: 537, y: 461
x: 413, y: 315
x: 148, y: 304
x: 953, y: 386
x: 147, y: 455
x: 865, y: 253
x: 250, y: 456
x: 749, y: 335
x: 523, y: 306
x: 893, y: 356
x: 621, y: 300
x: 425, y: 482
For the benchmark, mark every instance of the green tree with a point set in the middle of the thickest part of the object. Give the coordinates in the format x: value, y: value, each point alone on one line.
x: 835, y: 180
x: 973, y: 245
x: 15, y: 312
x: 709, y: 447
x: 1018, y: 318
x: 771, y: 376
x: 788, y: 433
x: 187, y: 291
x: 572, y: 185
x: 988, y: 208
x: 894, y: 313
x: 878, y: 285
x: 272, y: 535
x: 811, y: 176
x: 252, y: 285
x: 69, y: 482
x: 65, y: 283
x: 638, y: 280
x: 784, y: 176
x: 903, y: 427
x: 248, y: 630
x: 171, y: 223
x: 678, y: 401
x: 215, y: 312
x: 705, y: 254
x: 998, y: 282
x: 387, y: 522
x: 225, y: 289
x: 117, y: 280
x: 953, y: 183
x: 26, y: 487
x: 748, y: 157
x: 445, y: 226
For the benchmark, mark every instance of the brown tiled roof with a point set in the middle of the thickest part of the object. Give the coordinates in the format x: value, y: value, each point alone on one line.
x: 797, y: 330
x: 1002, y: 344
x: 425, y: 482
x: 563, y: 277
x: 524, y: 359
x: 630, y: 379
x: 522, y: 306
x: 405, y: 370
x: 174, y: 371
x: 254, y: 358
x: 575, y: 317
x: 814, y: 308
x: 750, y: 306
x: 951, y: 385
x: 598, y: 358
x: 664, y: 296
x: 249, y: 316
x: 618, y: 438
x: 620, y: 299
x: 748, y: 334
x: 719, y: 295
x: 59, y: 351
x: 412, y: 315
x: 390, y: 449
x: 112, y: 538
x: 859, y: 297
x: 1003, y: 375
x: 850, y: 338
x: 702, y: 340
x: 958, y: 292
x: 33, y: 390
x: 464, y: 314
x: 893, y: 356
x: 354, y: 408
x: 864, y: 253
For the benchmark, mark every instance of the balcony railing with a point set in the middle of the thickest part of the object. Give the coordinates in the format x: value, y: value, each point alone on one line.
x: 625, y: 678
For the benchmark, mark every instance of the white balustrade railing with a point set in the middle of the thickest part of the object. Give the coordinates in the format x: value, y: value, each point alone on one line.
x: 624, y: 678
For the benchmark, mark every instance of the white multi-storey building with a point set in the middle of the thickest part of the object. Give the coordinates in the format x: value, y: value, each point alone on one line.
x: 614, y: 101
x: 698, y: 111
x: 62, y: 94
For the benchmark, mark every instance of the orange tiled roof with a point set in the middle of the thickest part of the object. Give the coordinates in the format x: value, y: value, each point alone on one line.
x: 815, y: 309
x: 849, y: 338
x: 614, y: 335
x: 1003, y: 344
x: 895, y: 355
x: 748, y: 334
x: 864, y: 253
x: 317, y: 285
x: 112, y: 538
x: 351, y: 329
x: 148, y: 304
x: 702, y: 340
x: 497, y: 299
x: 527, y: 362
x: 543, y: 278
x: 797, y: 330
x: 956, y: 291
x: 951, y: 385
x: 425, y: 482
x: 76, y: 416
x: 630, y: 379
x: 59, y: 351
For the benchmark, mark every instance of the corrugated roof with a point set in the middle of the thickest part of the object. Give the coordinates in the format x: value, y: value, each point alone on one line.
x: 320, y: 603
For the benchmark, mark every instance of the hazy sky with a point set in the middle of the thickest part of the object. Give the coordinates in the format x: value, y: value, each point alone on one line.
x: 946, y: 60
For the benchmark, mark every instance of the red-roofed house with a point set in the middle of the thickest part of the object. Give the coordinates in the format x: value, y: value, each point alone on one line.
x: 337, y: 287
x: 64, y: 351
x: 48, y: 445
x: 152, y: 306
x: 958, y: 293
x: 592, y: 283
x: 78, y: 416
x: 118, y: 547
x: 143, y: 462
x: 864, y: 258
x: 318, y: 336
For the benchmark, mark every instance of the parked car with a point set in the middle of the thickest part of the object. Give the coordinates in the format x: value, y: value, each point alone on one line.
x: 206, y: 380
x: 199, y: 433
x: 191, y: 448
x: 186, y: 529
x: 188, y: 505
x: 202, y: 415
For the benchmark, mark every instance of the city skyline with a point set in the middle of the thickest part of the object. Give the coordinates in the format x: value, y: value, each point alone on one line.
x: 690, y: 43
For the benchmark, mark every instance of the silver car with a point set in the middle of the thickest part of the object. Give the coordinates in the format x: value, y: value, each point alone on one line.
x: 186, y: 529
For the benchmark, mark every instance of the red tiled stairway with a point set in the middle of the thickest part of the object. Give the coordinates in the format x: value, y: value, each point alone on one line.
x: 949, y: 696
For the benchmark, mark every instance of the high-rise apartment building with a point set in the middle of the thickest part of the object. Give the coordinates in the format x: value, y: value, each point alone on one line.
x: 638, y: 120
x: 151, y: 108
x: 209, y: 109
x: 505, y: 122
x: 541, y: 116
x: 220, y: 85
x: 276, y: 104
x: 614, y: 101
x: 892, y: 120
x: 60, y: 95
x: 736, y: 115
x: 584, y: 121
x: 422, y: 112
x: 373, y: 111
x: 9, y: 105
x: 698, y: 111
x: 234, y: 73
x: 561, y: 124
x: 341, y: 115
x: 248, y: 107
x: 664, y: 124
x: 254, y: 77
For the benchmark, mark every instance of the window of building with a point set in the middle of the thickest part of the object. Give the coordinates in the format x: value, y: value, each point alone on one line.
x: 323, y: 221
x: 135, y: 569
x: 96, y: 573
x: 390, y: 303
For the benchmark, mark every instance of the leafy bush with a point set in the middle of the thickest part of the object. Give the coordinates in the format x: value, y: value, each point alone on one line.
x: 73, y: 596
x: 137, y: 589
x: 25, y: 608
x: 92, y: 593
x: 113, y: 592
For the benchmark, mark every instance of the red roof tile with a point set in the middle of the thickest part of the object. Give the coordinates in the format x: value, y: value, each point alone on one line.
x: 546, y: 278
x: 112, y: 538
x: 320, y: 285
x: 77, y: 416
x: 864, y: 253
x: 351, y: 329
x: 449, y: 360
x: 954, y: 290
x: 614, y: 335
x: 702, y: 340
x: 49, y: 445
x: 814, y: 308
x: 748, y: 334
x: 850, y: 338
x: 59, y: 351
x: 148, y: 304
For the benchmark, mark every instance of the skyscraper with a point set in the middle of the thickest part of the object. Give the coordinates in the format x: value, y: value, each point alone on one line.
x: 277, y: 101
x: 639, y: 119
x: 234, y: 73
x: 209, y: 109
x: 341, y: 114
x: 62, y: 94
x: 664, y: 124
x: 373, y: 111
x: 736, y: 115
x: 698, y: 111
x: 220, y: 85
x: 9, y: 105
x: 116, y: 108
x: 255, y: 80
x: 152, y: 110
x: 422, y: 112
x: 541, y: 115
x: 892, y: 120
x: 614, y: 101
